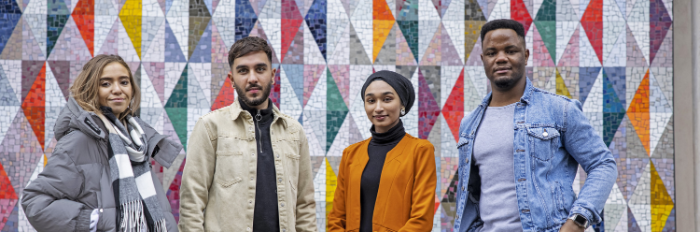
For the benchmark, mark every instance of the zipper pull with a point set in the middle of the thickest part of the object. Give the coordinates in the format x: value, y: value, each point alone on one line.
x: 258, y: 117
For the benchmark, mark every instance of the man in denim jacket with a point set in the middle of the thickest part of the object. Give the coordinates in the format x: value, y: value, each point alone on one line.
x: 519, y: 150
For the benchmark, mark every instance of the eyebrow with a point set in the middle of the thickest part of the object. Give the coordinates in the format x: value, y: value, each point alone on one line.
x: 110, y: 78
x: 507, y: 47
x: 256, y: 65
x: 385, y: 93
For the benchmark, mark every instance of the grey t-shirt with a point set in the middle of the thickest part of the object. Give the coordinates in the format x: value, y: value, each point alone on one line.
x: 493, y: 154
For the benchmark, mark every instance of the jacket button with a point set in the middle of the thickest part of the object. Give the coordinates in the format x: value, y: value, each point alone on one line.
x: 278, y: 155
x: 252, y: 154
x: 462, y: 188
x: 250, y: 202
x: 279, y: 180
x: 247, y: 229
x: 282, y: 204
x: 251, y: 178
x: 100, y: 210
x: 466, y: 160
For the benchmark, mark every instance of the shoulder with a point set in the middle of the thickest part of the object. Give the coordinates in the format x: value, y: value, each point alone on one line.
x: 74, y: 144
x: 292, y: 124
x: 553, y: 98
x: 419, y: 144
x: 216, y: 115
x: 357, y: 145
x: 211, y: 121
x: 554, y: 103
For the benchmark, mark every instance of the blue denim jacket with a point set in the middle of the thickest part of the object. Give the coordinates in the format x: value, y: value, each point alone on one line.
x: 551, y: 138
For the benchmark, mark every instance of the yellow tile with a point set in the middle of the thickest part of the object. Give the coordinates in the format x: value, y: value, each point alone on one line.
x: 381, y: 32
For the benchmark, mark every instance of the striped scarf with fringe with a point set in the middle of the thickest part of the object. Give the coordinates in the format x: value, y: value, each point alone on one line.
x: 138, y: 208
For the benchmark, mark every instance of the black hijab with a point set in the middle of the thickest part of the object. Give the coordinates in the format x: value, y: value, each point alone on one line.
x: 401, y: 84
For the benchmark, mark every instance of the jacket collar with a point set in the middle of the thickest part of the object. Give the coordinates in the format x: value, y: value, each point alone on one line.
x: 527, y: 94
x: 74, y: 117
x: 236, y: 110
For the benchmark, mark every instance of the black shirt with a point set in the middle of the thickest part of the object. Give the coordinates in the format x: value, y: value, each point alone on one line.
x: 379, y: 146
x: 265, y: 216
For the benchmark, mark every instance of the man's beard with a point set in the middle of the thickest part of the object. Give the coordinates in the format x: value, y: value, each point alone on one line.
x: 508, y: 83
x: 254, y: 102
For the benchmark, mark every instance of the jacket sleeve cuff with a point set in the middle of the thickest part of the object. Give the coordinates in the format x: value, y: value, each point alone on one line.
x: 166, y: 150
x: 592, y: 219
x: 83, y: 220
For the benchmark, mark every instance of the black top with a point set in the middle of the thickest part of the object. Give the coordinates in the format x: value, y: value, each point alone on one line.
x: 380, y: 144
x: 265, y: 216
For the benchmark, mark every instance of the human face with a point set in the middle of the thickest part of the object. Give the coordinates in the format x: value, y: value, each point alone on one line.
x: 115, y: 88
x: 382, y: 105
x: 253, y: 77
x: 505, y: 57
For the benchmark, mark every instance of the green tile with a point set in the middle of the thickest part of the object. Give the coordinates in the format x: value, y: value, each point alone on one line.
x: 548, y: 32
x: 548, y: 11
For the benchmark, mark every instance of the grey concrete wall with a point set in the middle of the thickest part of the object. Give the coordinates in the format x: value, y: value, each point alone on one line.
x: 686, y: 88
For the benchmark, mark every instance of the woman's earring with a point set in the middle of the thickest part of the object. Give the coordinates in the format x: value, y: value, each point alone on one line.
x: 403, y: 111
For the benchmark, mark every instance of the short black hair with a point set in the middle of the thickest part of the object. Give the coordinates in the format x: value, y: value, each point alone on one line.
x: 503, y: 24
x: 246, y: 46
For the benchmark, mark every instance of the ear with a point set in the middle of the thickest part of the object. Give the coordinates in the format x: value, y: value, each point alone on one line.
x: 274, y: 71
x: 230, y: 77
x: 527, y: 54
x: 482, y: 56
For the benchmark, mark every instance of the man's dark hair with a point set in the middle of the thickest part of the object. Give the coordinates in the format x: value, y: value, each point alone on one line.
x: 503, y: 24
x: 246, y: 46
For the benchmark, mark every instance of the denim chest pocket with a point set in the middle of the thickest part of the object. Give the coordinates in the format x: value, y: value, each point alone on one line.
x: 544, y: 142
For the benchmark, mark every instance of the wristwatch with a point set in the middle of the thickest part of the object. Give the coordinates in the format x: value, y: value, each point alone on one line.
x: 580, y: 220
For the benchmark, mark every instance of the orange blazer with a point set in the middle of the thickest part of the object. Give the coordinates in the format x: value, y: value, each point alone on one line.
x: 406, y: 197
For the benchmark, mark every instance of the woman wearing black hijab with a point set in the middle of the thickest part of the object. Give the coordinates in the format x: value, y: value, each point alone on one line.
x: 387, y: 182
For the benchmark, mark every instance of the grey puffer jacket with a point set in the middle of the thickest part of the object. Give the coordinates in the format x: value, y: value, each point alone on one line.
x: 76, y: 178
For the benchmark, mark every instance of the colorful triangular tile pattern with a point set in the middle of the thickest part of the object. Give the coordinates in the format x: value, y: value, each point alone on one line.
x: 614, y: 56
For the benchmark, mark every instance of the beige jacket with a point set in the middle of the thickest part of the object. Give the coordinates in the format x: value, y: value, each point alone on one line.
x: 218, y: 182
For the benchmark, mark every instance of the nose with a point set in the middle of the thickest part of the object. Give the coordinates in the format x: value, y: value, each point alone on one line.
x: 501, y: 57
x: 253, y: 78
x: 117, y: 89
x: 379, y: 108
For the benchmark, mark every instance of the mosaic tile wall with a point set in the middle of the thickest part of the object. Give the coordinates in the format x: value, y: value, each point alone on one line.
x: 615, y: 56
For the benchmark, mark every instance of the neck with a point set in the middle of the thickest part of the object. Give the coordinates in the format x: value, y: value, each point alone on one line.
x: 502, y: 97
x: 380, y: 129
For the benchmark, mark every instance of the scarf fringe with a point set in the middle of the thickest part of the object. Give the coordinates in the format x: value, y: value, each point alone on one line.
x: 160, y: 226
x: 134, y: 220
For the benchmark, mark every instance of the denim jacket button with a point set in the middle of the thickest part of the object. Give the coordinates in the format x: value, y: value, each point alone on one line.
x: 466, y: 160
x: 545, y: 134
x: 462, y: 188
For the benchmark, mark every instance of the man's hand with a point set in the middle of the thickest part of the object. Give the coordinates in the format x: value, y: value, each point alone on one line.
x: 570, y: 226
